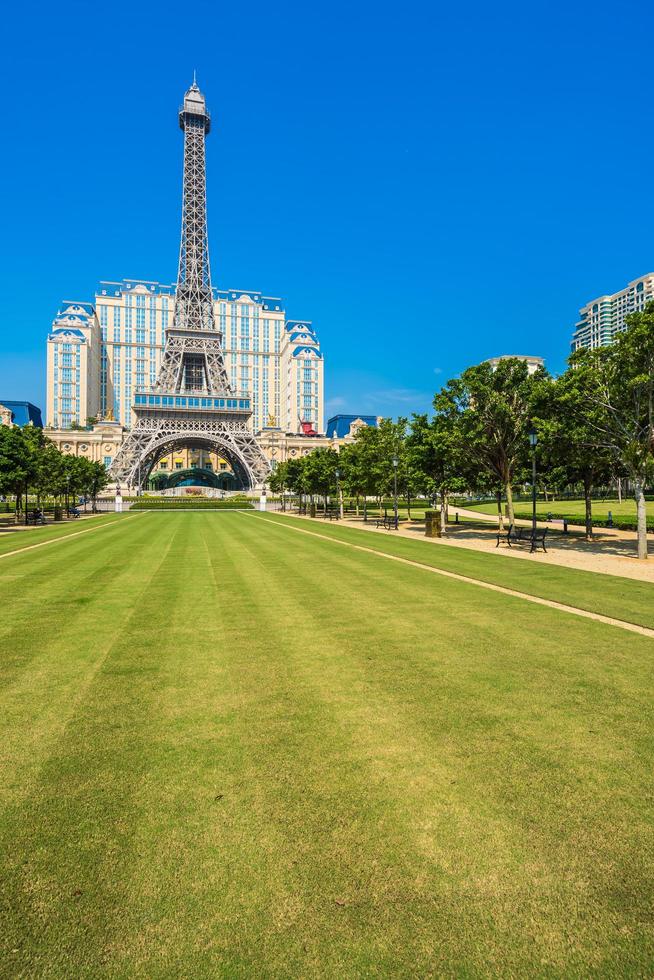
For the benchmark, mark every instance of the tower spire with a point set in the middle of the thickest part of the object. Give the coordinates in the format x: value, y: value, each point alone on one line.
x: 192, y: 400
x: 194, y: 306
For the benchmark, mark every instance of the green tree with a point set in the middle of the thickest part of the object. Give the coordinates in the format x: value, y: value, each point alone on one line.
x: 435, y: 449
x: 623, y: 393
x: 491, y: 411
x: 567, y: 419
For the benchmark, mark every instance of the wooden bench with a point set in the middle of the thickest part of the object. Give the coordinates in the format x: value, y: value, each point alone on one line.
x: 523, y: 535
x: 388, y: 522
x: 331, y: 514
x: 35, y: 517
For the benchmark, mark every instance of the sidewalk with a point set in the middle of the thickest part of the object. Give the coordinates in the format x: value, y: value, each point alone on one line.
x: 612, y: 552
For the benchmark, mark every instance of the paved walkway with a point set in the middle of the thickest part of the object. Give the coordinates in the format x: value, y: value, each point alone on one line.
x: 612, y: 552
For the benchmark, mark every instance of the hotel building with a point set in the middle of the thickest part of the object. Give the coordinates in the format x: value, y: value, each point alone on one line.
x: 101, y: 353
x: 604, y: 317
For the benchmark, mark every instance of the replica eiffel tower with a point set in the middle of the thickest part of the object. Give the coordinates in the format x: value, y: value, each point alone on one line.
x: 192, y: 403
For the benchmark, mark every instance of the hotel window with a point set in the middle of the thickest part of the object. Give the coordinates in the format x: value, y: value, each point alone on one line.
x: 104, y: 316
x: 128, y: 319
x: 107, y: 462
x: 164, y: 315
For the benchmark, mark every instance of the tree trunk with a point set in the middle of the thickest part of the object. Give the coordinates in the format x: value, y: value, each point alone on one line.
x: 443, y: 513
x: 357, y: 505
x: 619, y: 490
x: 408, y: 504
x: 642, y: 519
x: 588, y: 486
x: 509, y: 502
x: 500, y: 516
x: 365, y: 508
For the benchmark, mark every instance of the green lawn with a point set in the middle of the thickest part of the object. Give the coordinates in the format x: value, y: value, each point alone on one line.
x: 12, y: 538
x: 229, y: 749
x: 574, y: 510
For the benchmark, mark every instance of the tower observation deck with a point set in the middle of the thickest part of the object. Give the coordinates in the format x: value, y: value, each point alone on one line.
x: 192, y: 402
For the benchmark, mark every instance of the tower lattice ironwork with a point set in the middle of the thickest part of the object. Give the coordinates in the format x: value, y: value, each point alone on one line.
x: 192, y: 402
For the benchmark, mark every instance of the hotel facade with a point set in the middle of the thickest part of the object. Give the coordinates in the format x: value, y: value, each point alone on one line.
x: 99, y: 354
x: 602, y: 318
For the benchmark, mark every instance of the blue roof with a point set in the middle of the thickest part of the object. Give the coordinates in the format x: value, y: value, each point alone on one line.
x: 308, y: 350
x: 303, y: 325
x: 84, y: 307
x: 67, y: 332
x: 22, y: 413
x: 339, y: 425
x: 303, y: 333
x: 109, y: 288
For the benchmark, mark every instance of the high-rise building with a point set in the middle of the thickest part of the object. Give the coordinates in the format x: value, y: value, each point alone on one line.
x: 120, y: 338
x: 74, y: 357
x: 604, y: 317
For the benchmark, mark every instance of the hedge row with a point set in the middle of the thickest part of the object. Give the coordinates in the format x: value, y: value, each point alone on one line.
x: 620, y: 523
x: 184, y: 503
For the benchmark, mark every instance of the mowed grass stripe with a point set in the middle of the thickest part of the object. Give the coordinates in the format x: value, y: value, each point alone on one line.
x: 612, y: 596
x: 13, y: 542
x: 298, y: 760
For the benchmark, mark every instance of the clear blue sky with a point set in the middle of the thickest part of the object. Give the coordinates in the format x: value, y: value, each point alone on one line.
x: 432, y: 184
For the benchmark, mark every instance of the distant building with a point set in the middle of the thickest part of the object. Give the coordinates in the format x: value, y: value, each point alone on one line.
x: 604, y: 317
x: 20, y: 413
x: 342, y: 426
x: 533, y: 363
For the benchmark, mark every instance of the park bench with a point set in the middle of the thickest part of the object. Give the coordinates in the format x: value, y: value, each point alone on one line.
x: 388, y: 522
x: 523, y: 535
x: 36, y: 517
x: 74, y: 512
x: 331, y: 514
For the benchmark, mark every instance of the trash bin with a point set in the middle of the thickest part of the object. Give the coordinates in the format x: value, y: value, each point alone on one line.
x: 433, y: 524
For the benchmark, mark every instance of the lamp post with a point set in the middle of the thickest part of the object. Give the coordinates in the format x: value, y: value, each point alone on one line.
x: 337, y: 474
x: 395, y: 465
x: 533, y: 441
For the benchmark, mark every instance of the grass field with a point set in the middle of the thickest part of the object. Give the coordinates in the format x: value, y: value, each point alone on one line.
x: 229, y: 749
x: 574, y: 510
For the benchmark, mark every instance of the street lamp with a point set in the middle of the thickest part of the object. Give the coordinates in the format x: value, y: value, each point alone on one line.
x: 337, y: 474
x: 533, y: 441
x: 395, y: 465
